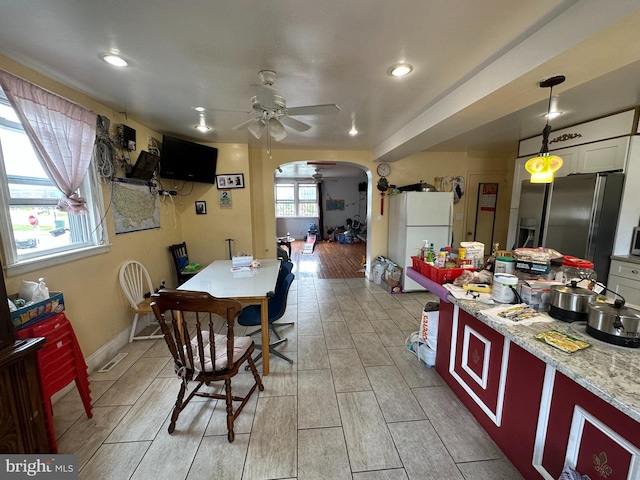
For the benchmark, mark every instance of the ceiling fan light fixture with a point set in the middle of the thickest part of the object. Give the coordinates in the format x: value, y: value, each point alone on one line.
x: 257, y: 129
x: 400, y: 70
x: 545, y: 165
x: 276, y: 129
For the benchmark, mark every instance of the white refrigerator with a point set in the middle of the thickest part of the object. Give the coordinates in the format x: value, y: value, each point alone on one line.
x: 413, y: 218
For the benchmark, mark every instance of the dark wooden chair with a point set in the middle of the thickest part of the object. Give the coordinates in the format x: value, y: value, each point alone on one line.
x: 207, y: 356
x: 180, y: 258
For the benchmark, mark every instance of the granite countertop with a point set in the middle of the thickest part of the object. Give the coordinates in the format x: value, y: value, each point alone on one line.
x: 626, y: 258
x: 608, y: 371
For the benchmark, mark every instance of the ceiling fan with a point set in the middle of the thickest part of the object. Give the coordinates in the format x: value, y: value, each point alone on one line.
x: 273, y: 113
x: 317, y: 177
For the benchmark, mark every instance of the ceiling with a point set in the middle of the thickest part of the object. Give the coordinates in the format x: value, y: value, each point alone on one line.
x: 474, y: 85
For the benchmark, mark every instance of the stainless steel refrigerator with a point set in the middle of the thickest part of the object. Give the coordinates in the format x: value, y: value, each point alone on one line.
x: 531, y: 214
x: 413, y: 218
x: 576, y: 215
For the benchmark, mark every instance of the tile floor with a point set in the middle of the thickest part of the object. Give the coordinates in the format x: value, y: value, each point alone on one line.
x: 355, y: 404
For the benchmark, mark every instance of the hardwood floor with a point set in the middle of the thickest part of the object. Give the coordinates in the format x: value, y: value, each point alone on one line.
x: 328, y: 260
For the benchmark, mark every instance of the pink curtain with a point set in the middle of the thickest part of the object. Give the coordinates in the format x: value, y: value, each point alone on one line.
x: 61, y: 133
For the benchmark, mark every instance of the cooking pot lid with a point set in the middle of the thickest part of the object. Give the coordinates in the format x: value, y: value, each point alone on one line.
x: 609, y: 309
x: 574, y: 290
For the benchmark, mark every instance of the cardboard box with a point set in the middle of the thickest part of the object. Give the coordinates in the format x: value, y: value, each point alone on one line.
x: 37, y: 311
x: 533, y: 267
x: 392, y: 275
x: 393, y: 289
x: 536, y: 293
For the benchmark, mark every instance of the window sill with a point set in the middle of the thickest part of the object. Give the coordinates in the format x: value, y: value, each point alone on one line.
x: 52, y: 260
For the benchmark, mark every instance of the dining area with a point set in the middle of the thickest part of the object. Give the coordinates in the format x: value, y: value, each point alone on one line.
x: 354, y: 403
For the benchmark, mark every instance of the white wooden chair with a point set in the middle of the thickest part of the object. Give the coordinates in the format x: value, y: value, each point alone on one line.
x: 136, y: 283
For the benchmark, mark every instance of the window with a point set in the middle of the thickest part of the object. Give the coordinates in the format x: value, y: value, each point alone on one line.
x: 31, y: 226
x: 296, y: 200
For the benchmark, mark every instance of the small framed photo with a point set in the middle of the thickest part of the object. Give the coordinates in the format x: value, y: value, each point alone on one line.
x: 201, y: 208
x: 233, y: 180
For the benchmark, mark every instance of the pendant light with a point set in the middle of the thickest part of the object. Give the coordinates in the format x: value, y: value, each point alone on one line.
x: 544, y: 165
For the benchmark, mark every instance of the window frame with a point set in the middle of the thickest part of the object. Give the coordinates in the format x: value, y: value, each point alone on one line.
x: 97, y: 242
x: 296, y: 198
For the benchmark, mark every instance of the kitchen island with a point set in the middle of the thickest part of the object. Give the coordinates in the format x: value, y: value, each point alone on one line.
x: 543, y: 407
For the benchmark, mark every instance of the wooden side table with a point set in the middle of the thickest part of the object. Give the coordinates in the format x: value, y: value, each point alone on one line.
x: 22, y: 428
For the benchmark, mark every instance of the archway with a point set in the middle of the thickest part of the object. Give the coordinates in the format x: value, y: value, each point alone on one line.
x: 344, y: 203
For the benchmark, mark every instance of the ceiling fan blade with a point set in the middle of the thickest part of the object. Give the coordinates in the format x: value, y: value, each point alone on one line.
x: 314, y: 109
x: 295, y: 124
x: 247, y: 123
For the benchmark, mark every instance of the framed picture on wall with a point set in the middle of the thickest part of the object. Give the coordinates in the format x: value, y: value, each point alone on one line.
x: 201, y: 208
x: 233, y: 180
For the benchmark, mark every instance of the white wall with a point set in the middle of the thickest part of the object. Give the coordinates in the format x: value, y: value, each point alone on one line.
x: 297, y: 227
x: 355, y: 202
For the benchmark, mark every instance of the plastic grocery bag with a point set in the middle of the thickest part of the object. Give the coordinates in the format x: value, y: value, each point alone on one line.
x: 40, y: 292
x: 429, y: 322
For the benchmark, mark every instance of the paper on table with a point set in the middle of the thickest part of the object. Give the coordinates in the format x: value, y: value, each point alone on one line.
x: 462, y: 294
x: 494, y: 312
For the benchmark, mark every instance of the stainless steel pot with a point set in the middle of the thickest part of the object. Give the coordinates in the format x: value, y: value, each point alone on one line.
x: 426, y: 187
x: 570, y: 303
x: 614, y: 323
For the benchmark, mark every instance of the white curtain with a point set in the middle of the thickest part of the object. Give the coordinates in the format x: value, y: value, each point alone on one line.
x: 61, y: 133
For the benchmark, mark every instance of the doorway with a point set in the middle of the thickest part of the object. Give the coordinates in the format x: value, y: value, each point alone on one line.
x: 485, y: 207
x: 342, y: 195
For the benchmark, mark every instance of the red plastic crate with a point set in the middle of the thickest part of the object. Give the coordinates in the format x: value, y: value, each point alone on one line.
x: 421, y: 267
x: 60, y: 362
x: 445, y: 275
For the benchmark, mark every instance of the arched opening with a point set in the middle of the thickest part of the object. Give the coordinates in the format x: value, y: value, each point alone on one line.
x: 336, y: 225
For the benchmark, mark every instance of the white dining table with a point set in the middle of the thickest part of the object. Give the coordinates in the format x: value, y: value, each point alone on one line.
x: 248, y: 285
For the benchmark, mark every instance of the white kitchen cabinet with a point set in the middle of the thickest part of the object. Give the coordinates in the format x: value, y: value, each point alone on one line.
x: 610, y: 126
x: 603, y: 156
x: 569, y: 158
x: 624, y: 279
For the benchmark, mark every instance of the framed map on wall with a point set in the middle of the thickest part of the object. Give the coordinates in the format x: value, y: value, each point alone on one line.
x: 135, y: 206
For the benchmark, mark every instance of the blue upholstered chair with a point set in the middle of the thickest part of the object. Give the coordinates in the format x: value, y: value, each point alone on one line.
x: 285, y: 269
x: 250, y: 316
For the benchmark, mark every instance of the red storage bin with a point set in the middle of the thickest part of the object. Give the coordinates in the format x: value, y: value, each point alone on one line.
x: 445, y: 275
x: 60, y: 362
x: 421, y: 267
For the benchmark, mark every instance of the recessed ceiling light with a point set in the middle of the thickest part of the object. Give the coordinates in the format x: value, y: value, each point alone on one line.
x: 353, y: 131
x: 202, y: 128
x: 115, y: 60
x: 552, y: 115
x: 400, y: 70
x: 199, y: 109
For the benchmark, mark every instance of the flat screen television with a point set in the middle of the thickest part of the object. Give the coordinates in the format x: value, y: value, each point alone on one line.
x: 187, y: 161
x: 145, y: 166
